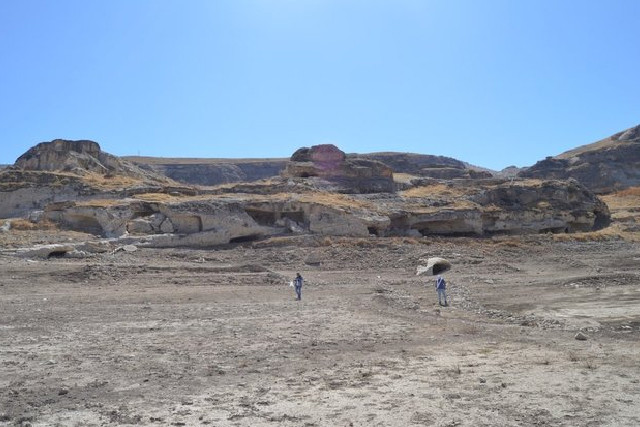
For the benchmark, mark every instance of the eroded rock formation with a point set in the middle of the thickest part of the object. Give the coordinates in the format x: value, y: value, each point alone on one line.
x: 63, y: 170
x: 605, y: 166
x: 352, y: 175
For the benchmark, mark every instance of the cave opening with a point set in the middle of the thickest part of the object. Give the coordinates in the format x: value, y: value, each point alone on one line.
x: 245, y: 239
x: 57, y: 254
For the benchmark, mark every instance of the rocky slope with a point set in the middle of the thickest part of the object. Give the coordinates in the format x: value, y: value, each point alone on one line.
x: 62, y: 170
x: 424, y: 165
x: 605, y: 166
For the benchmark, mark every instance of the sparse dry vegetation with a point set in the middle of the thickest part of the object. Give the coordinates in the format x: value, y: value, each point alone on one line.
x: 435, y: 190
x: 110, y: 182
x: 403, y: 178
x: 24, y: 224
x: 161, y: 197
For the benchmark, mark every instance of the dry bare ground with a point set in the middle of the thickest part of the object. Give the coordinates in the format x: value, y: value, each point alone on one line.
x: 192, y: 337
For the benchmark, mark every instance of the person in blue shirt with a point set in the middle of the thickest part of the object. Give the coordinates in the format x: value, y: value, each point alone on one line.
x: 297, y: 282
x: 441, y: 287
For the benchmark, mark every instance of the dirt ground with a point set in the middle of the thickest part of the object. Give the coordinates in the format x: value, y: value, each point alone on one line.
x: 214, y: 337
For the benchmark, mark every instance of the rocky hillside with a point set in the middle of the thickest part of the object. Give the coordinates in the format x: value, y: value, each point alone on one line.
x: 321, y: 191
x: 424, y: 165
x: 62, y: 170
x: 611, y: 164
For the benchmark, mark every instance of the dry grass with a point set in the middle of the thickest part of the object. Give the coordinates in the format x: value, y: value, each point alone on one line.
x: 101, y: 181
x: 598, y: 145
x: 623, y: 200
x: 404, y: 178
x: 102, y: 203
x: 435, y: 190
x: 159, y: 197
x: 614, y: 232
x: 331, y: 199
x: 26, y: 225
x: 631, y: 191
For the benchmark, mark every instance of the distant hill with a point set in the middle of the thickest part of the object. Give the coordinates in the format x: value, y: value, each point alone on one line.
x: 608, y: 165
x: 211, y: 172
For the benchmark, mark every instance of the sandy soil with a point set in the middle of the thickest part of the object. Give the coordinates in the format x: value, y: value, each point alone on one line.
x: 192, y: 337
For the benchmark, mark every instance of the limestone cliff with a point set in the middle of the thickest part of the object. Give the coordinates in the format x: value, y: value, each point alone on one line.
x: 477, y: 208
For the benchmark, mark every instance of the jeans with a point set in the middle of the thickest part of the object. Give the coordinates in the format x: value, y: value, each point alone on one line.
x: 442, y: 296
x: 299, y: 292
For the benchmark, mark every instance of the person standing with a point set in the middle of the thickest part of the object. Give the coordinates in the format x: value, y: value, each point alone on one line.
x: 441, y: 287
x: 297, y: 282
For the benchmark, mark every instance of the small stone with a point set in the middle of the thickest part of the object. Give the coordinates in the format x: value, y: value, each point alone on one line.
x: 580, y: 336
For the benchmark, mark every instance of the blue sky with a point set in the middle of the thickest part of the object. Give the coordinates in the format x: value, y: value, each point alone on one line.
x: 493, y: 82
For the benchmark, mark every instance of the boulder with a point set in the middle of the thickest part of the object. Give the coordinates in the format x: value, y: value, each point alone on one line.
x: 435, y: 266
x: 167, y: 226
x: 140, y: 226
x: 581, y: 336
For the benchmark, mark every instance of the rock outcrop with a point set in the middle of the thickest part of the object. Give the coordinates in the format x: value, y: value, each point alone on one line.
x: 80, y: 157
x: 605, y: 166
x: 322, y: 191
x: 63, y: 170
x: 474, y: 208
x: 351, y: 175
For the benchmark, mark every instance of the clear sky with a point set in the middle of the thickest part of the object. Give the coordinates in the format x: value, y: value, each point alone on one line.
x: 492, y: 82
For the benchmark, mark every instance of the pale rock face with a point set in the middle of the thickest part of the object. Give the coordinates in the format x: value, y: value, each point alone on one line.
x: 22, y: 201
x: 335, y: 224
